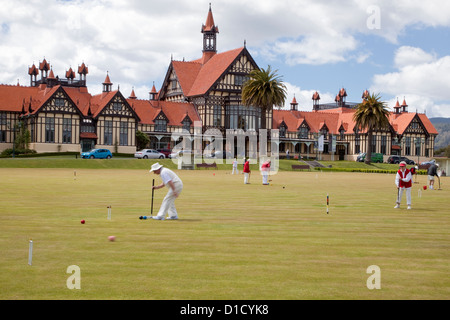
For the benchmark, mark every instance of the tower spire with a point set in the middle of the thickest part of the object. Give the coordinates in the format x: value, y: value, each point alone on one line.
x: 209, y: 30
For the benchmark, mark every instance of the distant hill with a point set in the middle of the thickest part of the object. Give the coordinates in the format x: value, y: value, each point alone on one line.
x: 442, y: 125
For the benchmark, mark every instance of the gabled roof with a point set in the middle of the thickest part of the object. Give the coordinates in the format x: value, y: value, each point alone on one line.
x: 12, y: 98
x: 186, y: 73
x: 175, y: 112
x: 99, y: 102
x: 213, y: 70
x: 196, y: 78
x: 402, y: 121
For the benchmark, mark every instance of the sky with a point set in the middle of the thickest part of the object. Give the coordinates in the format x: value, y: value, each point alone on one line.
x: 398, y: 49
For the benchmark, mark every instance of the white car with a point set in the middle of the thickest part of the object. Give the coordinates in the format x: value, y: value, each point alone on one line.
x: 149, y: 154
x: 179, y: 153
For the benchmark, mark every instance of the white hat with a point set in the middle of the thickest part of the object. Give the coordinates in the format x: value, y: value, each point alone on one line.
x: 403, y: 164
x: 156, y: 166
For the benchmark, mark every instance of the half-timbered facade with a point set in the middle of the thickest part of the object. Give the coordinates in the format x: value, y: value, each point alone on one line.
x: 408, y: 134
x: 61, y: 115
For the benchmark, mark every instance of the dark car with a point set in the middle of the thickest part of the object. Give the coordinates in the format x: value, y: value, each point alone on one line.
x: 165, y: 152
x: 398, y: 159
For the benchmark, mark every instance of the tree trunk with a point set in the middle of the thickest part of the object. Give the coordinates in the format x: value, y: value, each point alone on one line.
x: 263, y: 118
x: 368, y: 158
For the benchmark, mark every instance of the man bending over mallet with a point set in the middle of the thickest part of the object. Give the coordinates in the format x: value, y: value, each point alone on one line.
x: 174, y: 184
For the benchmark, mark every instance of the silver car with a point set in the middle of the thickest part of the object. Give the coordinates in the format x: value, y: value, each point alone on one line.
x: 149, y: 154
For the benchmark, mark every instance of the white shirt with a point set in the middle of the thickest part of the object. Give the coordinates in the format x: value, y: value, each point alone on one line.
x: 168, y: 175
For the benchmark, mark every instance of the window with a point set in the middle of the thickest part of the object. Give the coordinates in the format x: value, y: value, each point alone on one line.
x: 123, y: 133
x: 217, y: 116
x: 50, y: 130
x: 239, y: 80
x: 67, y: 130
x: 117, y: 106
x: 324, y: 132
x: 59, y: 102
x: 108, y: 133
x: 3, y: 119
x: 374, y: 144
x: 2, y: 135
x: 383, y: 144
x: 240, y: 117
x: 357, y: 142
x: 303, y: 133
x: 342, y: 134
x: 282, y: 131
x: 187, y: 124
x: 407, y: 146
x: 161, y: 125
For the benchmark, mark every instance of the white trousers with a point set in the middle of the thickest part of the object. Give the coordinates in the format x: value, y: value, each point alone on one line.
x: 168, y: 204
x: 265, y: 177
x: 246, y: 176
x: 235, y: 169
x: 408, y: 196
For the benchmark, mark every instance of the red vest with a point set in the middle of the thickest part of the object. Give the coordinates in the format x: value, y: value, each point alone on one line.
x: 403, y: 175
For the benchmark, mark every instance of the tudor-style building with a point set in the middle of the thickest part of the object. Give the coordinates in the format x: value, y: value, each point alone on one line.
x: 408, y: 134
x: 62, y: 115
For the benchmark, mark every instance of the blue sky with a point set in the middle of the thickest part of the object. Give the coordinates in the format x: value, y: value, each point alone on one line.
x: 399, y: 49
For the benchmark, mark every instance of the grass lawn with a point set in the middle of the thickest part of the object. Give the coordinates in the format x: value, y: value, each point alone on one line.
x: 233, y: 241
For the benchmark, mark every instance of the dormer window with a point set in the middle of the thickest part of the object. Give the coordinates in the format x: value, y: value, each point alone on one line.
x: 303, y: 132
x: 160, y: 125
x: 282, y: 131
x: 187, y: 124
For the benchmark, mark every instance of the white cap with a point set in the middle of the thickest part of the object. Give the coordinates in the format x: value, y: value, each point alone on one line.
x: 156, y: 166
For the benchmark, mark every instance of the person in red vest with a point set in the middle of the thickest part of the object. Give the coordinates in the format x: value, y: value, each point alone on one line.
x: 265, y: 168
x: 246, y: 171
x: 403, y: 180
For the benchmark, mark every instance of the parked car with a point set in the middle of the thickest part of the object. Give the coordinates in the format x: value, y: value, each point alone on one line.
x: 428, y: 162
x: 149, y: 154
x: 166, y: 152
x: 179, y: 153
x: 97, y: 154
x: 398, y: 159
x: 221, y: 155
x: 376, y: 157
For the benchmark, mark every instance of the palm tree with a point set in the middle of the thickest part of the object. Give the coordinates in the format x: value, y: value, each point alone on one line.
x: 371, y: 114
x: 264, y: 89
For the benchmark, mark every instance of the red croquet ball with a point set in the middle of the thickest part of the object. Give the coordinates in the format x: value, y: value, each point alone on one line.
x: 111, y: 238
x: 82, y: 221
x: 424, y: 187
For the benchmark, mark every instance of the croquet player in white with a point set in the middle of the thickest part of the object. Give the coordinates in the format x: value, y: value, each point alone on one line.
x: 175, y: 186
x: 404, y: 183
x: 235, y: 167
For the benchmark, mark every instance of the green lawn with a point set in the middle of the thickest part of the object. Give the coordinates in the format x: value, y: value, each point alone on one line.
x: 233, y: 241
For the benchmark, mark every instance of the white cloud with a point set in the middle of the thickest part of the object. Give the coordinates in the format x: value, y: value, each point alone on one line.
x: 418, y: 73
x: 135, y: 39
x: 304, y: 97
x: 410, y: 56
x: 422, y: 78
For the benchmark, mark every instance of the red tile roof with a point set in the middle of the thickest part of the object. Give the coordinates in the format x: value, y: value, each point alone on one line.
x: 210, y: 72
x: 209, y: 25
x: 335, y: 118
x: 175, y: 111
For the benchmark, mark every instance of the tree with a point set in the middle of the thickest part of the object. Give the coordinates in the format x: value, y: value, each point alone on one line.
x: 142, y: 140
x: 371, y: 114
x: 264, y: 89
